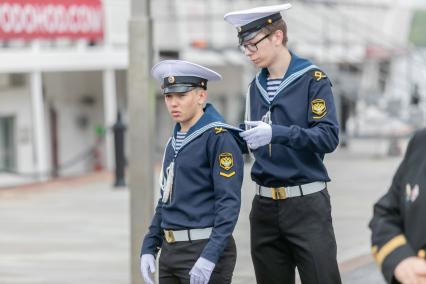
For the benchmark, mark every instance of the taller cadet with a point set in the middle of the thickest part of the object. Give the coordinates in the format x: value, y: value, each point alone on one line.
x: 200, y: 182
x: 398, y: 225
x: 291, y: 113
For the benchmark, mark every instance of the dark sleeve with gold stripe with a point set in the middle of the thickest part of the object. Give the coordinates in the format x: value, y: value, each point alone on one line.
x: 389, y: 243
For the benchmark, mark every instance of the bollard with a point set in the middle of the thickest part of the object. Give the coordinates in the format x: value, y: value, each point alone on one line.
x: 394, y: 149
x: 120, y: 162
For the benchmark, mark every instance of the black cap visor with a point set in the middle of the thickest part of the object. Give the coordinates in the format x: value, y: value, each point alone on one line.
x: 248, y: 36
x: 249, y: 31
x: 178, y: 88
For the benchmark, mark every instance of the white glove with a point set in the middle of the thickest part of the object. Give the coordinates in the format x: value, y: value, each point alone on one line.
x: 148, y: 267
x: 201, y: 271
x: 258, y: 136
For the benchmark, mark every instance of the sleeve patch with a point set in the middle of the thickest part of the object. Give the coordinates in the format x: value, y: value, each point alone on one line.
x: 319, y: 108
x: 318, y: 75
x: 227, y: 175
x: 226, y: 161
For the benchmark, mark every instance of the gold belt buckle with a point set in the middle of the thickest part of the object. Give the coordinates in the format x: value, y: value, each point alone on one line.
x: 170, y: 237
x: 278, y: 193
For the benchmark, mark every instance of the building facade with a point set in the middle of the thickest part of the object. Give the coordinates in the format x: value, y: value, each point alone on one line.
x: 63, y: 68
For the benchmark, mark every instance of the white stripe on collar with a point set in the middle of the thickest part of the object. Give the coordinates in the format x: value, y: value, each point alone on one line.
x: 198, y: 132
x: 161, y: 177
x: 284, y: 83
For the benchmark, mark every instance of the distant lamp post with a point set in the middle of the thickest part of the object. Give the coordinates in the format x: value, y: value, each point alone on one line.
x: 120, y: 161
x: 415, y: 96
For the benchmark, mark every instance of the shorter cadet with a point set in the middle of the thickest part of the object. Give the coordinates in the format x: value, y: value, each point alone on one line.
x: 200, y: 181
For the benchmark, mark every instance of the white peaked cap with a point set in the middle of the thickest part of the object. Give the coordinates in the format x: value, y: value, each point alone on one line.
x: 244, y: 17
x: 169, y: 68
x: 178, y: 76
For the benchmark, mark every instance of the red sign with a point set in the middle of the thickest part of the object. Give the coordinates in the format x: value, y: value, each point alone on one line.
x: 51, y: 19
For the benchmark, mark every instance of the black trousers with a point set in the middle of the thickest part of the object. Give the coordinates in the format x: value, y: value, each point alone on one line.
x: 295, y: 232
x: 177, y: 259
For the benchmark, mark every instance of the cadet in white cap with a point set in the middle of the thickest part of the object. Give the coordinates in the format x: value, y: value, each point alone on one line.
x: 200, y: 181
x: 290, y: 125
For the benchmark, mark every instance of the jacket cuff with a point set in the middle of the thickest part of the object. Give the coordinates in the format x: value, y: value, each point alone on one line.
x: 391, y: 254
x: 280, y: 134
x: 149, y: 248
x: 212, y: 252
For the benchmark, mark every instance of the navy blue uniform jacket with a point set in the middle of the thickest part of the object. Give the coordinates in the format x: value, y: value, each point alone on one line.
x: 208, y: 174
x: 398, y: 225
x: 304, y: 126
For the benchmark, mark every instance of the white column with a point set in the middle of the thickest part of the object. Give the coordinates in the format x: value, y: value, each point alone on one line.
x: 110, y: 114
x: 39, y: 125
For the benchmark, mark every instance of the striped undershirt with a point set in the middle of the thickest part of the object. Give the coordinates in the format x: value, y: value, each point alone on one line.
x: 271, y: 87
x: 180, y: 136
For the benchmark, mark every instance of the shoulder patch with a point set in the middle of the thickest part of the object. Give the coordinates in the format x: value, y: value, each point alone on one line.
x: 218, y: 130
x: 318, y: 75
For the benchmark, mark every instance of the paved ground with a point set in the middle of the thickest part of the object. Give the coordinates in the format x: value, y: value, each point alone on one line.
x: 366, y: 274
x: 77, y: 230
x: 67, y: 232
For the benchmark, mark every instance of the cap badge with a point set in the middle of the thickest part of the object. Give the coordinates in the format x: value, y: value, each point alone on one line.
x: 202, y: 83
x: 171, y: 79
x: 239, y: 29
x: 269, y: 21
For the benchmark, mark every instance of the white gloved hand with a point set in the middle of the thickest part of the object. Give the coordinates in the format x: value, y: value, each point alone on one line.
x: 258, y: 136
x: 201, y: 271
x: 148, y: 267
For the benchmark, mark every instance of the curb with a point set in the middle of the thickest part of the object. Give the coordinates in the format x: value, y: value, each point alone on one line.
x: 62, y: 182
x: 355, y: 263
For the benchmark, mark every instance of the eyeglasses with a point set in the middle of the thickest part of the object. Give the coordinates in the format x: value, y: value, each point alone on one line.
x: 252, y: 47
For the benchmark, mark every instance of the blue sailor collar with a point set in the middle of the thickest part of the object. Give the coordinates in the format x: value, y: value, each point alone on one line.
x: 297, y: 67
x: 210, y: 119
